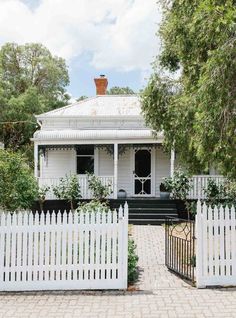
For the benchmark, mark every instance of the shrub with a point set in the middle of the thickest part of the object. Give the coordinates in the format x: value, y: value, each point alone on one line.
x: 18, y: 187
x: 68, y: 189
x: 132, y: 262
x: 93, y: 206
x: 230, y: 191
x: 220, y: 193
x: 179, y: 185
x: 99, y: 191
x: 214, y: 192
x: 41, y: 195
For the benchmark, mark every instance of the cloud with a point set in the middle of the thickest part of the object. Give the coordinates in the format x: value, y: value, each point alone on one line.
x: 117, y: 34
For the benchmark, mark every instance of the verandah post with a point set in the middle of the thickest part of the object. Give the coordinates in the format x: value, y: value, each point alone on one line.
x: 115, y: 169
x: 36, y: 155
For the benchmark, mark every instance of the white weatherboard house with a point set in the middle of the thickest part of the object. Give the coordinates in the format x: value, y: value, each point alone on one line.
x: 105, y: 135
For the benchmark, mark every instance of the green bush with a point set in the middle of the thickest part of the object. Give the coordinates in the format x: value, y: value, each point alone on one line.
x: 132, y: 262
x: 18, y: 187
x: 179, y: 185
x: 68, y: 189
x: 41, y: 195
x: 100, y: 192
x: 93, y: 206
x: 230, y: 191
x: 220, y: 193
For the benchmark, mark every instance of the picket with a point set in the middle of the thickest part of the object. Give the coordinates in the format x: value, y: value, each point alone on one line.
x: 215, y: 250
x: 64, y: 250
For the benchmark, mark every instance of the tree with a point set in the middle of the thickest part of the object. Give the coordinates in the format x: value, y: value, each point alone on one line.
x: 197, y: 110
x: 120, y: 91
x: 32, y: 81
x: 83, y: 97
x: 18, y: 187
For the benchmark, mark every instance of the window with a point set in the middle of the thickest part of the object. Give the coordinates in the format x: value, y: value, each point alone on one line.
x: 85, y: 159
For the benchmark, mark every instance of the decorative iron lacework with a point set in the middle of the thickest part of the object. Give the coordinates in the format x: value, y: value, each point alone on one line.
x: 109, y: 148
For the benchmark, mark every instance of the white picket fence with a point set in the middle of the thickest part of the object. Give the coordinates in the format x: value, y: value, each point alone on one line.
x: 64, y: 251
x: 83, y: 182
x: 216, y: 246
x: 199, y: 184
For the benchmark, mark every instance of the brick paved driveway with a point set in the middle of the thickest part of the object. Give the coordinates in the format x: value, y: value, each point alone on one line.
x: 161, y: 293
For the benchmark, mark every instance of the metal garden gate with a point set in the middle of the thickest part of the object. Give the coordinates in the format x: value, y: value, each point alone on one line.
x: 180, y: 247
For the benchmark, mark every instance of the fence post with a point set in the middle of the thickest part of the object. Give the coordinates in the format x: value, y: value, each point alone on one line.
x: 199, y: 247
x: 233, y: 238
x: 2, y: 245
x: 125, y: 245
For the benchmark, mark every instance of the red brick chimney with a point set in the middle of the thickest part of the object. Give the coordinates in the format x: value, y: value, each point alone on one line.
x: 101, y: 85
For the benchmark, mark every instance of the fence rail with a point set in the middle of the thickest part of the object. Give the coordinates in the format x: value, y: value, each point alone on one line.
x: 83, y: 182
x: 216, y: 245
x: 63, y: 251
x: 199, y: 184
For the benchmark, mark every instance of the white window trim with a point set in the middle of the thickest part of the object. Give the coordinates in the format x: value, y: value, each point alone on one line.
x: 95, y: 155
x: 76, y: 156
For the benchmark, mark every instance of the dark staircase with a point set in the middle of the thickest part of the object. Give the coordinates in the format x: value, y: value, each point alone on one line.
x: 146, y: 211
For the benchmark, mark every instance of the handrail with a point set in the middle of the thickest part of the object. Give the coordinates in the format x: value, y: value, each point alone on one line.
x: 83, y: 181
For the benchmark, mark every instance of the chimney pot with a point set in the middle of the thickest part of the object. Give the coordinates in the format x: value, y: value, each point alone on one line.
x: 101, y: 85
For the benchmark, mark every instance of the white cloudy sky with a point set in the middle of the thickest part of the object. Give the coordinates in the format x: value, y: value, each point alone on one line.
x: 112, y: 37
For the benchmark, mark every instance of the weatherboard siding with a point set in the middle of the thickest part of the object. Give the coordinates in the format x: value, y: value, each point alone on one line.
x: 125, y: 172
x: 106, y: 168
x: 105, y: 163
x: 162, y: 164
x: 57, y: 163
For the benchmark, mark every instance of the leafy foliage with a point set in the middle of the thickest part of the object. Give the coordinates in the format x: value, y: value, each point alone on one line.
x: 221, y: 193
x: 132, y: 262
x: 213, y: 191
x: 165, y: 187
x: 18, y: 187
x: 120, y: 91
x: 32, y: 81
x: 99, y: 191
x: 68, y: 189
x: 179, y: 185
x: 93, y: 206
x: 197, y: 109
x: 41, y: 195
x: 83, y: 97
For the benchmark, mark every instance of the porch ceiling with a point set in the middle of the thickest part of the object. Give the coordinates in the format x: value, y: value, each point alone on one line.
x: 93, y: 136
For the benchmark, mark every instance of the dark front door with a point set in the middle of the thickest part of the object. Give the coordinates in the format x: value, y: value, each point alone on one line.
x: 142, y: 172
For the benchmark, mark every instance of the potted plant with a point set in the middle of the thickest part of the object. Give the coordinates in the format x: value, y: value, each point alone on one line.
x: 165, y: 190
x: 121, y: 194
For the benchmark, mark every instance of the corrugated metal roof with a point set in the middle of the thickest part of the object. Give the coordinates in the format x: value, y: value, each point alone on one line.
x: 103, y: 105
x: 68, y: 134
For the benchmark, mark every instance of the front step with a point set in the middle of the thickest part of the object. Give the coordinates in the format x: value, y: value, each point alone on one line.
x: 148, y: 211
x: 147, y: 222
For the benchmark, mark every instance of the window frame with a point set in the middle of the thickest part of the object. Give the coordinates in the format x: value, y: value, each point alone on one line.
x: 84, y: 156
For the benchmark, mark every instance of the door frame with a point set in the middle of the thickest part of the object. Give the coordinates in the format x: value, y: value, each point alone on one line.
x: 153, y: 165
